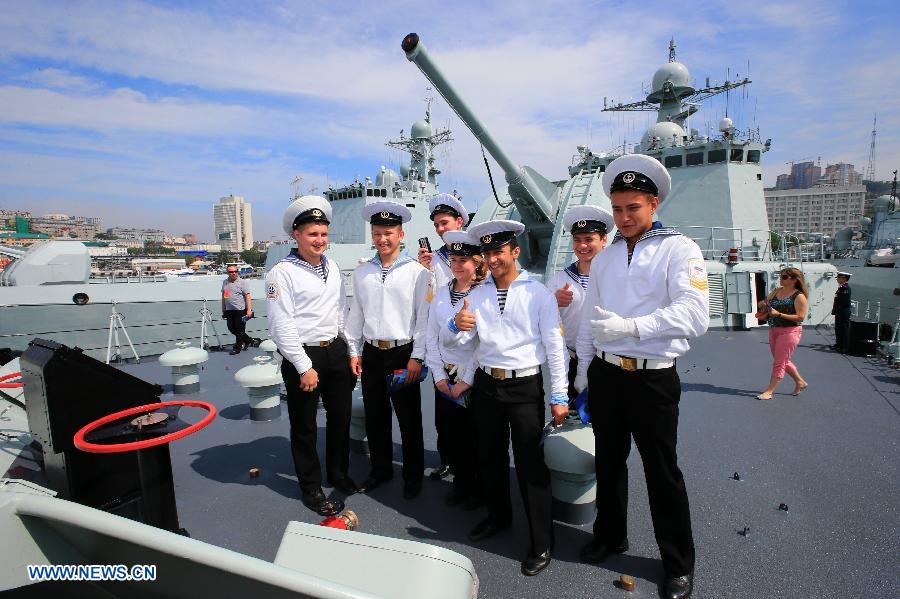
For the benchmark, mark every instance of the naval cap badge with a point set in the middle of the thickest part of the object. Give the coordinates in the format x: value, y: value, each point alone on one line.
x: 486, y: 239
x: 628, y: 177
x: 385, y: 214
x: 581, y: 224
x: 317, y: 213
x: 457, y: 246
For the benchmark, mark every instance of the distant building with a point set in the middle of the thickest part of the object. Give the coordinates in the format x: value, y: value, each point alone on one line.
x: 189, y: 238
x: 157, y: 264
x: 143, y: 235
x: 8, y: 217
x: 821, y: 209
x: 262, y: 246
x: 233, y: 224
x: 63, y: 225
x: 840, y: 174
x: 784, y: 182
x: 127, y: 243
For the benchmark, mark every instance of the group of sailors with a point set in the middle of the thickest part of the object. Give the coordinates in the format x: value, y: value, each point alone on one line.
x: 613, y: 322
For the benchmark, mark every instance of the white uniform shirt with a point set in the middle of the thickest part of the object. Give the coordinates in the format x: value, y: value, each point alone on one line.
x: 571, y: 314
x: 303, y: 308
x: 526, y: 335
x: 440, y: 264
x: 389, y: 310
x: 441, y: 344
x: 664, y: 290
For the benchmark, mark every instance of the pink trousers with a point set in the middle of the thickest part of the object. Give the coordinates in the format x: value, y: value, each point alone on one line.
x: 783, y: 341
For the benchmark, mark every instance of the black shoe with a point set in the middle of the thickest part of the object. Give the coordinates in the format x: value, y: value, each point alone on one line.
x: 235, y: 350
x: 411, y: 488
x: 533, y: 564
x: 442, y: 471
x: 472, y: 502
x: 596, y: 552
x: 256, y: 342
x: 372, y: 483
x: 454, y: 497
x: 345, y: 485
x: 677, y: 587
x: 486, y: 529
x: 320, y: 504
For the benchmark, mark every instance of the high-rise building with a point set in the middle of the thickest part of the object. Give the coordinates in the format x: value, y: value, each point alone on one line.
x: 233, y: 224
x: 821, y: 209
x: 840, y: 174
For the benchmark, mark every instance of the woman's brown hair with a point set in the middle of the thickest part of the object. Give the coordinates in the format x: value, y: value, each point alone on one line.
x: 799, y: 280
x: 480, y: 269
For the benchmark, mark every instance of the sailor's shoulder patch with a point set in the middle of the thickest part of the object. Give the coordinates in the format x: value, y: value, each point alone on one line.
x: 697, y: 273
x: 273, y: 290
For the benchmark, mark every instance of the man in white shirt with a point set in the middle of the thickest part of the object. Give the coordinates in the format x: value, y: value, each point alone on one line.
x: 589, y: 226
x: 306, y: 301
x: 516, y: 322
x: 386, y: 332
x: 447, y: 214
x: 648, y: 294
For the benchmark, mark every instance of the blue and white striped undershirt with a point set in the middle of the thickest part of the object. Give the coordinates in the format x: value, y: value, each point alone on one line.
x: 501, y: 298
x: 320, y: 268
x: 384, y: 272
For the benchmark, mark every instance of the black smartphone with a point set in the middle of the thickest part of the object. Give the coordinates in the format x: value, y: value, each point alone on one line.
x: 424, y: 243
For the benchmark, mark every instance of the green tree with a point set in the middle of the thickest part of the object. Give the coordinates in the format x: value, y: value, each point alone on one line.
x: 253, y: 257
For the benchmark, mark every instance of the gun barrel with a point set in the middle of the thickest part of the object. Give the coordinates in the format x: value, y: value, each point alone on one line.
x: 515, y: 175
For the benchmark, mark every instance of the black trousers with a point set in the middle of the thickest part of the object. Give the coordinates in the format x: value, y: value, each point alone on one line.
x: 237, y: 326
x: 842, y: 329
x: 459, y: 443
x: 442, y: 418
x: 642, y: 404
x: 573, y: 370
x: 336, y: 384
x: 514, y: 408
x: 377, y: 364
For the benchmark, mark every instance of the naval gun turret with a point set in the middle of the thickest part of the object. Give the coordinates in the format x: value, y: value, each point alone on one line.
x: 536, y: 200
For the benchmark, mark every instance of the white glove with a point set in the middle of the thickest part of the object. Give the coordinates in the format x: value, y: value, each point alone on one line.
x: 580, y: 383
x: 609, y: 326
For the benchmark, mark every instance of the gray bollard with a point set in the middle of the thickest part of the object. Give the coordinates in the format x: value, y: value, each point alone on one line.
x: 263, y: 383
x: 569, y: 454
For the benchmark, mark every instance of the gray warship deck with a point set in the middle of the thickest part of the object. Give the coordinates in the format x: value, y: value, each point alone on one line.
x: 830, y: 455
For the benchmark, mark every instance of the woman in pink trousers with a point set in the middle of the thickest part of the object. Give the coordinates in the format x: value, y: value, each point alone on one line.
x: 785, y: 308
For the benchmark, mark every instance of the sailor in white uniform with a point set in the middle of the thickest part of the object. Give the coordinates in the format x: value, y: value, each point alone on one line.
x: 647, y: 296
x: 307, y: 304
x: 516, y: 322
x: 447, y: 214
x: 589, y: 226
x: 446, y: 355
x: 386, y: 332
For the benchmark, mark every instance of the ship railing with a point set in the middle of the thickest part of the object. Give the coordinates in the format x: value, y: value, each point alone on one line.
x: 730, y: 243
x: 143, y: 278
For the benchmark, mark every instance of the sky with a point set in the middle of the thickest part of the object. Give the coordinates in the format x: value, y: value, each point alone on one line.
x: 146, y: 113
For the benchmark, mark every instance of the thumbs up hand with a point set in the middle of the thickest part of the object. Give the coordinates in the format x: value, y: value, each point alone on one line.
x: 464, y: 320
x: 564, y: 296
x: 609, y: 326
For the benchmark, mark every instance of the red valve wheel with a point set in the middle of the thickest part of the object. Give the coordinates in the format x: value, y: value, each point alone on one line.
x: 89, y: 447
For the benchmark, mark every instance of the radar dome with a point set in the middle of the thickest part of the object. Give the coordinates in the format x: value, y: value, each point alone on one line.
x: 726, y: 124
x: 677, y: 75
x: 386, y: 178
x: 669, y: 134
x: 865, y: 221
x: 420, y: 129
x: 404, y: 171
x: 884, y: 204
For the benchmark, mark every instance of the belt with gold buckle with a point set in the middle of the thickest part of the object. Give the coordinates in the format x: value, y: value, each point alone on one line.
x: 629, y: 364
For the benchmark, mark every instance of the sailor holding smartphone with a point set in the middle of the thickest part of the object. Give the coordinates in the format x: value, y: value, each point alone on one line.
x: 447, y: 214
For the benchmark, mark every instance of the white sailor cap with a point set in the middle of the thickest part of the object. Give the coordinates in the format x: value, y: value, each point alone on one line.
x: 461, y: 243
x: 494, y: 234
x: 306, y: 209
x: 587, y: 219
x: 385, y: 212
x: 445, y: 203
x: 842, y: 273
x: 639, y: 172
